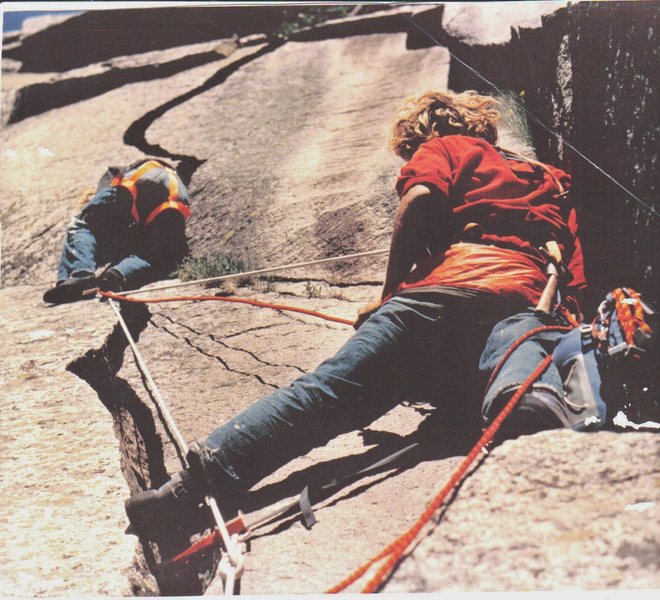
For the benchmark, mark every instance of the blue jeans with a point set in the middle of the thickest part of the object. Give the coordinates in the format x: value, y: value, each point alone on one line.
x: 522, y: 362
x: 105, y: 232
x: 426, y: 346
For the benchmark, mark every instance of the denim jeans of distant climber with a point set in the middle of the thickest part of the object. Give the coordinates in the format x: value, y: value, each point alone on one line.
x: 423, y: 347
x: 522, y: 362
x: 104, y: 232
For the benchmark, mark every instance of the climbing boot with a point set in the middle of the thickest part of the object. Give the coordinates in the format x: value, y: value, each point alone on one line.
x: 72, y: 290
x: 535, y: 411
x: 181, y: 494
x: 112, y: 281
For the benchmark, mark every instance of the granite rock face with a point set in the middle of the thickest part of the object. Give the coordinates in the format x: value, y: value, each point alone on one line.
x: 282, y: 144
x: 588, y: 520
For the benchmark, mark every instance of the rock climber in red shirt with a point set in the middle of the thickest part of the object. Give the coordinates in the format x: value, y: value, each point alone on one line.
x: 475, y: 230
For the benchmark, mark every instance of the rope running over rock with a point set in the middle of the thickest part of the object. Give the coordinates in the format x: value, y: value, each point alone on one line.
x: 394, y: 551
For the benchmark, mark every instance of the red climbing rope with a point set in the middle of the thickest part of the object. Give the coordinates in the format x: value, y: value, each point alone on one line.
x: 304, y: 311
x: 517, y: 343
x: 395, y: 550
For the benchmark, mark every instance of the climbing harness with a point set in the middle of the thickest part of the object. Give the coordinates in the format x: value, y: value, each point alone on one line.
x: 130, y: 183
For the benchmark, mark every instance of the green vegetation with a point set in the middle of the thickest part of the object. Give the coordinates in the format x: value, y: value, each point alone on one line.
x: 313, y: 290
x: 211, y: 265
x: 295, y: 18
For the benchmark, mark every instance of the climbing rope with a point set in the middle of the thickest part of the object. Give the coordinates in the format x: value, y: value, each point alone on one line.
x: 250, y: 301
x: 309, y: 263
x: 517, y: 343
x: 167, y: 415
x: 232, y: 564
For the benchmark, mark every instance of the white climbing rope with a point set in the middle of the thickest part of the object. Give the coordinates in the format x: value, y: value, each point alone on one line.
x: 232, y: 564
x: 308, y: 263
x: 176, y: 432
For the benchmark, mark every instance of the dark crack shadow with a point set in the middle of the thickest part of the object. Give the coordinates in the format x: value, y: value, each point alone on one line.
x: 436, y: 438
x: 136, y: 134
x: 143, y: 463
x: 38, y: 98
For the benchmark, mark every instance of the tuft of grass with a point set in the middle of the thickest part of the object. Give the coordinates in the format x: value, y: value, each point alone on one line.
x: 212, y: 265
x: 313, y: 290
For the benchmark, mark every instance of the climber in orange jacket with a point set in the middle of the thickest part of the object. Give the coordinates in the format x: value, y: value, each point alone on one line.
x: 135, y: 222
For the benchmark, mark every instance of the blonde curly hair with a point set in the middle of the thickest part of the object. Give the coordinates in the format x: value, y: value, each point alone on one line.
x: 434, y: 114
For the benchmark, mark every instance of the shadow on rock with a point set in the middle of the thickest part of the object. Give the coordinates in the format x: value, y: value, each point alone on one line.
x: 437, y: 437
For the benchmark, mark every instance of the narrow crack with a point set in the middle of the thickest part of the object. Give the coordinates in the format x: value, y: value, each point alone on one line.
x: 225, y: 345
x: 340, y: 284
x: 38, y: 235
x: 251, y: 329
x: 136, y: 134
x: 214, y: 356
x: 142, y: 460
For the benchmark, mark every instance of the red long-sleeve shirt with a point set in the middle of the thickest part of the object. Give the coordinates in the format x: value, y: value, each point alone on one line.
x: 516, y: 205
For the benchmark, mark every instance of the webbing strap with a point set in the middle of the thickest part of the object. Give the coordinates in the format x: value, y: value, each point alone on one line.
x: 172, y: 201
x: 169, y: 204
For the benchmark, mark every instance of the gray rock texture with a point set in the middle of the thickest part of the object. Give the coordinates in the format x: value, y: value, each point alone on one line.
x: 62, y: 484
x: 283, y: 144
x: 589, y: 519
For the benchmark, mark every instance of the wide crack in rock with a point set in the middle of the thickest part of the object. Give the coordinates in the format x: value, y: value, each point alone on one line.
x: 143, y: 462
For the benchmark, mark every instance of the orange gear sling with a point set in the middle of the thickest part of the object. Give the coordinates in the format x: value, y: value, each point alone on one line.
x: 172, y: 201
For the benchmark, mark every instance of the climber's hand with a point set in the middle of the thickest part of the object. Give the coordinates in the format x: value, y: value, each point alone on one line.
x: 365, y: 311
